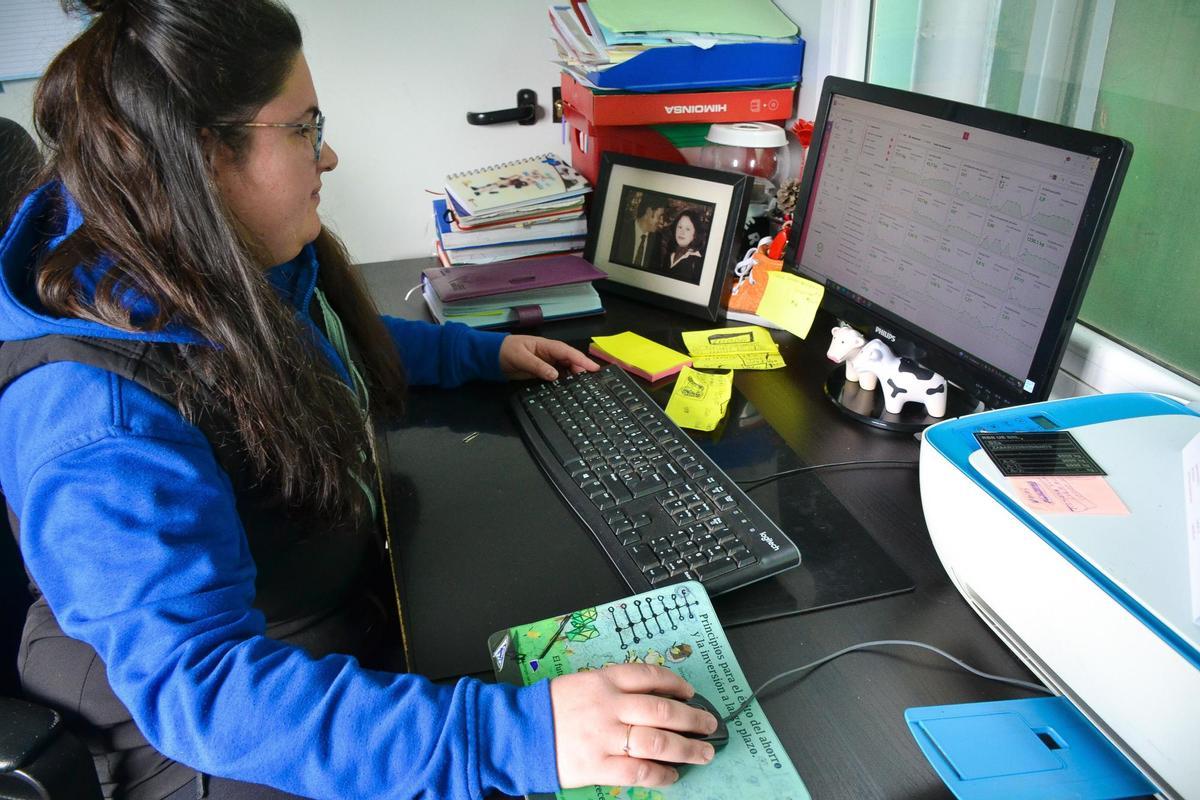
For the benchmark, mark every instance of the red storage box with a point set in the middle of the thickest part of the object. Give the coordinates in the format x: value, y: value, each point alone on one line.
x: 588, y: 141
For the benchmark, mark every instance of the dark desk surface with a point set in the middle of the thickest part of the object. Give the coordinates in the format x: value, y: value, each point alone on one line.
x: 477, y: 513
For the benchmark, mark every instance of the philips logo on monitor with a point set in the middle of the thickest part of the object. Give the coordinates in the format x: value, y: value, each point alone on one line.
x: 891, y: 337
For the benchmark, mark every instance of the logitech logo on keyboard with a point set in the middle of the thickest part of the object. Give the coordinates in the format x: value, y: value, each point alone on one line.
x: 770, y: 542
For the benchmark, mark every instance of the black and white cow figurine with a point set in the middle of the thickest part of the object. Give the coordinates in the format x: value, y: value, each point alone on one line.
x: 901, y: 380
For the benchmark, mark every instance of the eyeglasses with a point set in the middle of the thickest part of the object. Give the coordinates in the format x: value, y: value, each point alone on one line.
x: 313, y: 131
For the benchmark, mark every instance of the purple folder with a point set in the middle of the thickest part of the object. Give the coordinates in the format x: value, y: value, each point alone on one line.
x: 472, y: 281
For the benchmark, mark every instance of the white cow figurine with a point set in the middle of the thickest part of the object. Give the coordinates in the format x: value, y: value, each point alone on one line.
x: 903, y: 380
x: 844, y: 347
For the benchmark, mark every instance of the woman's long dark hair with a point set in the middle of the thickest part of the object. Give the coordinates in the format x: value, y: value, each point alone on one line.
x: 121, y: 111
x: 698, y: 238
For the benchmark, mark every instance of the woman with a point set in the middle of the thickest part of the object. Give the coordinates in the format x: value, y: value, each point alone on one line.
x: 190, y: 374
x: 685, y: 250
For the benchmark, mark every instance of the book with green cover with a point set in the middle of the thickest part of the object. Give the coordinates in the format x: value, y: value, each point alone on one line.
x: 675, y: 627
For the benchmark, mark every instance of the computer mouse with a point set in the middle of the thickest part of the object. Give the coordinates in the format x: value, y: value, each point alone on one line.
x: 718, y: 738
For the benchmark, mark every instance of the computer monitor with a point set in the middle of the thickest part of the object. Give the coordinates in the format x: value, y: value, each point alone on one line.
x: 963, y: 237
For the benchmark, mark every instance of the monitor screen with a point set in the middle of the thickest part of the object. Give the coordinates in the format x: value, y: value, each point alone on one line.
x: 963, y: 236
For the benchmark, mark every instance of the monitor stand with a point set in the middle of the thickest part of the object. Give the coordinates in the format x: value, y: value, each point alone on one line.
x: 867, y: 406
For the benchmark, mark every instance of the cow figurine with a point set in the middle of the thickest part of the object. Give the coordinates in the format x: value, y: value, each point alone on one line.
x: 868, y: 363
x: 901, y: 379
x: 844, y: 347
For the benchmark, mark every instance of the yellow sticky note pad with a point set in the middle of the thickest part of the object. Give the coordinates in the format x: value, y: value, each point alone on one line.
x: 699, y: 399
x: 639, y: 355
x: 791, y: 302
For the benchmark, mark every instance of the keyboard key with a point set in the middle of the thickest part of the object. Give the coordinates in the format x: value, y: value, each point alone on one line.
x: 706, y: 572
x: 641, y: 520
x: 604, y: 501
x: 642, y: 556
x: 676, y: 566
x: 648, y: 485
x: 615, y: 487
x: 726, y: 502
x: 657, y: 575
x: 562, y: 448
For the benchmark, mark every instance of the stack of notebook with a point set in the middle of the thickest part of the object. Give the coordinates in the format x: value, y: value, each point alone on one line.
x: 669, y: 45
x: 519, y: 293
x: 521, y: 208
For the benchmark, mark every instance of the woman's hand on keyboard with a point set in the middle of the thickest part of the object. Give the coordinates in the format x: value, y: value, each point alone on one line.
x: 615, y: 726
x: 538, y: 357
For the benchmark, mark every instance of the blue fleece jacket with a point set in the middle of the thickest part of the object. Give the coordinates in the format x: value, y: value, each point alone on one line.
x: 130, y: 529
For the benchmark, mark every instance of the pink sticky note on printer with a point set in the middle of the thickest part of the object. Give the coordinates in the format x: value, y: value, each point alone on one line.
x: 1073, y: 494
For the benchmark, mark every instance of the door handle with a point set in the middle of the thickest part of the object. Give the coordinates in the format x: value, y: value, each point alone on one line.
x: 524, y: 114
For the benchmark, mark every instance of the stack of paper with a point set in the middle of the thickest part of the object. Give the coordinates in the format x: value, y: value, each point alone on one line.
x: 748, y: 347
x: 593, y: 36
x: 539, y: 232
x: 521, y: 208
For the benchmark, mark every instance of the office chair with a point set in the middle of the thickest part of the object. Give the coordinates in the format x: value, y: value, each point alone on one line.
x: 39, y: 758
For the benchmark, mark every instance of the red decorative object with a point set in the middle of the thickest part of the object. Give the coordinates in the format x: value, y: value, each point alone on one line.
x: 802, y: 129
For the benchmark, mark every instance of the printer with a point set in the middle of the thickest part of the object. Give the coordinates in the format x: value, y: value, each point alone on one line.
x: 1100, y: 606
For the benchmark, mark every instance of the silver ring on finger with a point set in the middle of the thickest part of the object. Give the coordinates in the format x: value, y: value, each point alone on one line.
x: 628, y: 732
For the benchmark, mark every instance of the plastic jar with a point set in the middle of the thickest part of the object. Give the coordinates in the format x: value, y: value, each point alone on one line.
x: 758, y: 149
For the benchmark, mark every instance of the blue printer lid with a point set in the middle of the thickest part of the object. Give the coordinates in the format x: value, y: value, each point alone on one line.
x: 1041, y: 747
x: 955, y: 440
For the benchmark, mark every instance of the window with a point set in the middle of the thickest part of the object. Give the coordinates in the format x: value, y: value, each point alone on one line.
x: 1123, y: 67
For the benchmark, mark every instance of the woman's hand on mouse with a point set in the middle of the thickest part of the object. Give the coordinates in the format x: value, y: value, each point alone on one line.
x: 600, y: 713
x: 538, y: 357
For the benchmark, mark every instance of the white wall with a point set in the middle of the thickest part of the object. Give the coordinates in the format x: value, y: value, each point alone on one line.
x: 396, y: 78
x: 16, y: 102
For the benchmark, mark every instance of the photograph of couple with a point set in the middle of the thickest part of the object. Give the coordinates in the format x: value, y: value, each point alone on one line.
x: 661, y: 233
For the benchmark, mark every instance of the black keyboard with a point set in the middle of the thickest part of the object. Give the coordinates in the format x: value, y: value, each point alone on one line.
x: 658, y: 505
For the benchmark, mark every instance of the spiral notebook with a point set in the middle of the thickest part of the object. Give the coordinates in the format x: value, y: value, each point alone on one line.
x: 536, y: 180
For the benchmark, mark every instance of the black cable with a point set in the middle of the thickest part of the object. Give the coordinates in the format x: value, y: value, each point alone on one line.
x: 1033, y: 687
x: 753, y: 483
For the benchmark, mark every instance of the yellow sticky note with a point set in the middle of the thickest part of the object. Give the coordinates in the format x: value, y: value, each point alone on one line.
x: 791, y: 302
x: 751, y: 360
x: 639, y: 355
x: 728, y: 340
x: 699, y: 399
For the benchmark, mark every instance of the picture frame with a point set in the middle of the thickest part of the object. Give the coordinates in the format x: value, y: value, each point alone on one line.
x: 666, y: 233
